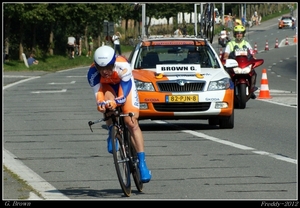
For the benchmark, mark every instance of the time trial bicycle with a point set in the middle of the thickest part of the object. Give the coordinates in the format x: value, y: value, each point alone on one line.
x: 124, y: 152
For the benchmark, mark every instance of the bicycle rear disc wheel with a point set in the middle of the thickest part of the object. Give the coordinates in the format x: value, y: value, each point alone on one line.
x: 121, y: 161
x: 133, y: 163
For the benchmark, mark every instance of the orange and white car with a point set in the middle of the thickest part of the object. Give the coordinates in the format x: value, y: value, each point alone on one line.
x: 286, y: 21
x: 171, y: 86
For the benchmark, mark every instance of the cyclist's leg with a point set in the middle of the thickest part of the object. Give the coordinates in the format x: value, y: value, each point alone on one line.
x: 72, y: 51
x: 136, y: 133
x: 90, y: 50
x: 109, y: 94
x: 69, y: 51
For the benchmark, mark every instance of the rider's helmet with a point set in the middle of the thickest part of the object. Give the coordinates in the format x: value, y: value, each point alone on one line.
x: 239, y: 29
x: 104, y: 56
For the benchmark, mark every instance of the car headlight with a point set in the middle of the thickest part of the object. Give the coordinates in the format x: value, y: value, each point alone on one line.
x: 221, y: 84
x: 144, y: 86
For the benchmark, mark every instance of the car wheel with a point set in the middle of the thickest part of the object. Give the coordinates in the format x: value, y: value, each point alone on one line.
x: 228, y: 122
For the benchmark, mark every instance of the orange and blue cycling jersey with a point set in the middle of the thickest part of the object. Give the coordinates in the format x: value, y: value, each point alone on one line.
x: 121, y: 84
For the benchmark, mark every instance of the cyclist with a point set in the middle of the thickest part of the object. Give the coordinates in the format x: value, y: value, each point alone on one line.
x: 111, y: 78
x: 237, y: 44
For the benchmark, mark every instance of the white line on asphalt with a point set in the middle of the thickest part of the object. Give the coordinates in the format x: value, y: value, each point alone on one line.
x: 47, y: 191
x: 50, y: 91
x: 235, y: 145
x: 278, y: 103
x: 16, y: 83
x: 279, y: 157
x: 59, y: 83
x: 15, y: 76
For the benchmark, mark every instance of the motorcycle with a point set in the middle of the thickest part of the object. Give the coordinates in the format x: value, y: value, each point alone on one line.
x: 241, y: 70
x: 223, y: 39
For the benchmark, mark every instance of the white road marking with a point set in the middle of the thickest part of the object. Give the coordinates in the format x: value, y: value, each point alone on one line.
x: 59, y: 83
x: 21, y: 81
x: 75, y: 76
x: 235, y: 145
x: 47, y: 191
x: 50, y: 91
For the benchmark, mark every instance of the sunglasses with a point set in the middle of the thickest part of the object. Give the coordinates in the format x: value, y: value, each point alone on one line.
x: 102, y: 68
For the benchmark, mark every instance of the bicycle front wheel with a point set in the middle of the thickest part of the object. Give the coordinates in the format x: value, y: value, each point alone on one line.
x: 202, y: 26
x: 121, y: 161
x: 211, y: 23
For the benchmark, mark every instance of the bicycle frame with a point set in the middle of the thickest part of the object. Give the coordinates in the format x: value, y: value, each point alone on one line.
x: 207, y: 22
x: 124, y: 154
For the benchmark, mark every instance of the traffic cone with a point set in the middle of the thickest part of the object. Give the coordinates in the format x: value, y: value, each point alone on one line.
x: 221, y: 53
x: 264, y: 92
x: 255, y: 48
x: 295, y: 39
x: 286, y: 41
x: 267, y: 46
x: 276, y: 43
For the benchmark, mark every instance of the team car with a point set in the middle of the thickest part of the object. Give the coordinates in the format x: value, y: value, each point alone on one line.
x: 286, y: 21
x: 171, y: 86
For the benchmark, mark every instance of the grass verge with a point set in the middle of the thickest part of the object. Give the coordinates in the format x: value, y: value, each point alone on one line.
x: 23, y: 185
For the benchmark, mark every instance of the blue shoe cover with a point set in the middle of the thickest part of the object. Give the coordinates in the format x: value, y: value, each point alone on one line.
x: 144, y: 172
x: 109, y: 141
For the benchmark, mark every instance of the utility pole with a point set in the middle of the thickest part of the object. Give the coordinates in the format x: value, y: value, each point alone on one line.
x: 195, y: 18
x: 144, y: 23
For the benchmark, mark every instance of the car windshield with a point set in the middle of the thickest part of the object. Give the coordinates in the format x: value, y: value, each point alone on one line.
x: 286, y: 18
x: 149, y: 56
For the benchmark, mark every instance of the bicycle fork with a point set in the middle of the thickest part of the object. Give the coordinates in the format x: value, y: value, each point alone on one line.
x: 120, y: 136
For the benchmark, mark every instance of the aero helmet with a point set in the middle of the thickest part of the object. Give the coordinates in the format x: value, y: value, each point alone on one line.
x: 104, y: 55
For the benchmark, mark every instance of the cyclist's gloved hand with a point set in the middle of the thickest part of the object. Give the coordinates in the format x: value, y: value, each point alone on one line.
x: 101, y: 106
x: 120, y: 100
x: 111, y: 104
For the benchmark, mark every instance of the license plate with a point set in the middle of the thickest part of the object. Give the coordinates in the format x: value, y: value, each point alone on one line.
x: 182, y: 98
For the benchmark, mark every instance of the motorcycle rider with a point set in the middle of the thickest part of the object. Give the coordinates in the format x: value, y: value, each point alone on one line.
x: 238, y: 43
x: 111, y: 78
